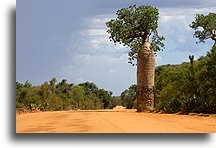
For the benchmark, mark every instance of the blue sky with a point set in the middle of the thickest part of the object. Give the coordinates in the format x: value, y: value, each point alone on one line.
x: 67, y: 39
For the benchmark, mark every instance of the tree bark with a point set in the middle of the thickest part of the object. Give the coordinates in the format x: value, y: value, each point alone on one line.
x: 145, y: 78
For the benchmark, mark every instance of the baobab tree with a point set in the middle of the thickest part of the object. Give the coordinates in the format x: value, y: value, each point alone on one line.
x: 133, y: 28
x: 205, y: 27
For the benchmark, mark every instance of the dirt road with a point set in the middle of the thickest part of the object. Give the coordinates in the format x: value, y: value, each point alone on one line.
x: 112, y: 121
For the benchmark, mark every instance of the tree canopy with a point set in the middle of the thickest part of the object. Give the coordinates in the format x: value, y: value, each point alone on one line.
x: 133, y: 25
x: 204, y: 26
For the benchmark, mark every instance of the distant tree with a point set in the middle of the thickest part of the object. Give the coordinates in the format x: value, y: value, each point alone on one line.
x: 128, y: 97
x: 132, y: 28
x: 52, y: 81
x: 63, y: 86
x: 62, y: 96
x: 27, y: 84
x: 115, y: 101
x: 204, y: 26
x: 105, y: 97
x: 193, y: 81
x: 89, y: 87
x: 78, y: 94
x: 63, y: 82
x: 19, y: 85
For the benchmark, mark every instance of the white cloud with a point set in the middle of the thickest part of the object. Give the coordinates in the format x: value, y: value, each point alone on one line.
x: 122, y: 59
x: 89, y: 59
x: 95, y: 39
x: 185, y: 11
x: 95, y: 36
x: 97, y: 21
x: 181, y: 39
x: 98, y: 43
x: 93, y: 32
x: 165, y: 18
x: 102, y: 43
x: 180, y: 16
x: 174, y: 25
x: 112, y: 71
x: 86, y: 58
x: 95, y: 45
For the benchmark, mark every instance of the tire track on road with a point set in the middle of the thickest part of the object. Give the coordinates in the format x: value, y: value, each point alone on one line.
x: 116, y: 127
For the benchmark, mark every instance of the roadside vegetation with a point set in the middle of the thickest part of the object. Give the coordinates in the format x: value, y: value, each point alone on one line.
x: 62, y: 96
x: 186, y: 87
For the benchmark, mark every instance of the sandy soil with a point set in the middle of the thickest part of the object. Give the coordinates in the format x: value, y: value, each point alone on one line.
x: 117, y: 120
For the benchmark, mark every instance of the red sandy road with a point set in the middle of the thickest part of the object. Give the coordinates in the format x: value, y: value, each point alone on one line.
x: 109, y: 121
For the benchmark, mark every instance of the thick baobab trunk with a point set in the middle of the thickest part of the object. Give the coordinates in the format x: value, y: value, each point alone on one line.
x: 145, y: 78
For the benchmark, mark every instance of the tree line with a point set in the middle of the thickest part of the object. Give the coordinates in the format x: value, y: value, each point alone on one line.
x: 185, y: 87
x: 62, y: 96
